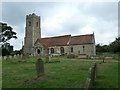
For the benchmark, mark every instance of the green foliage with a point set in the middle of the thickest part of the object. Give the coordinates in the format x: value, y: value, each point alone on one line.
x: 103, y: 48
x: 115, y: 45
x: 17, y: 52
x: 7, y: 33
x: 112, y: 47
x: 5, y: 52
x: 6, y: 49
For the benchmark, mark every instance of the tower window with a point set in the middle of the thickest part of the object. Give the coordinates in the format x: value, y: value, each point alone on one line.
x: 37, y: 24
x: 29, y: 23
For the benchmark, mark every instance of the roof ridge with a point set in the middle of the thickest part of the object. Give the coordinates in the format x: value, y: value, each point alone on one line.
x: 82, y: 35
x: 55, y: 36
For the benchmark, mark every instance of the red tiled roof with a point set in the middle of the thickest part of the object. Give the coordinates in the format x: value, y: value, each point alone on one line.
x: 54, y: 41
x: 63, y: 40
x: 81, y: 39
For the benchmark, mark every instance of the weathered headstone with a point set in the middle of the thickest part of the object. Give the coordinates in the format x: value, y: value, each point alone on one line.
x: 91, y: 76
x: 5, y: 57
x: 10, y: 57
x: 18, y: 55
x: 21, y: 56
x: 14, y: 56
x: 48, y: 58
x: 95, y: 66
x: 39, y: 67
x: 25, y: 55
x: 0, y: 57
x: 89, y: 73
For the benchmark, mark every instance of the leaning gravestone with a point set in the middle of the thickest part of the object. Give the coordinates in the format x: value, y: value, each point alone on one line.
x: 39, y: 67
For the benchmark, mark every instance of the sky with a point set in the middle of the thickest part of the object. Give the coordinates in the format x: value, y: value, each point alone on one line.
x: 63, y: 18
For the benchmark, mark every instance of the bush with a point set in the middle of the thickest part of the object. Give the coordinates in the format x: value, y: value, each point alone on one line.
x: 5, y: 52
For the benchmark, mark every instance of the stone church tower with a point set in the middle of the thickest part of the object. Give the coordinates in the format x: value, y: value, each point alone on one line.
x: 32, y: 33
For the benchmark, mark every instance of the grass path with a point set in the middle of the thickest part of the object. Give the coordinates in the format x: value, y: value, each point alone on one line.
x: 107, y: 75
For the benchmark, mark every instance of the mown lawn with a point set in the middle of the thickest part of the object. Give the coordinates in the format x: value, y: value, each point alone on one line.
x: 66, y: 74
x: 69, y: 73
x: 107, y: 76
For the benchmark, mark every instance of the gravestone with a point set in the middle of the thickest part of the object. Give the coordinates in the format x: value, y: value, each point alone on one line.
x: 25, y: 55
x: 0, y: 57
x: 92, y: 57
x: 39, y: 67
x: 21, y: 56
x: 14, y: 56
x: 18, y: 55
x: 10, y: 57
x: 5, y: 57
x: 48, y: 58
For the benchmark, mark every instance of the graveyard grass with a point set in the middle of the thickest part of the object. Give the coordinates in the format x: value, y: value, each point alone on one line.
x: 69, y: 73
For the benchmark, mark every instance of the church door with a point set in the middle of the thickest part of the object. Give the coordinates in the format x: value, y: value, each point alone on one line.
x: 38, y: 51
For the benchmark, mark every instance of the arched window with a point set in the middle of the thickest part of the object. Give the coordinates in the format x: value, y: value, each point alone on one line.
x: 29, y: 23
x: 71, y: 49
x: 52, y: 50
x: 83, y: 48
x: 62, y: 49
x: 37, y: 24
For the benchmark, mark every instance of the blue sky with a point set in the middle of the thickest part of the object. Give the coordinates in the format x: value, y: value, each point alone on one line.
x: 62, y: 18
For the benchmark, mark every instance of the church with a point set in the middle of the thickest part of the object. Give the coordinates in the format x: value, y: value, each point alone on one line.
x: 34, y: 44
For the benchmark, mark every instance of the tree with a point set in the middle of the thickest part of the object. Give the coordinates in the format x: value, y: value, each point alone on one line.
x: 104, y: 48
x: 5, y: 52
x: 115, y: 45
x: 6, y: 33
x: 99, y: 48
